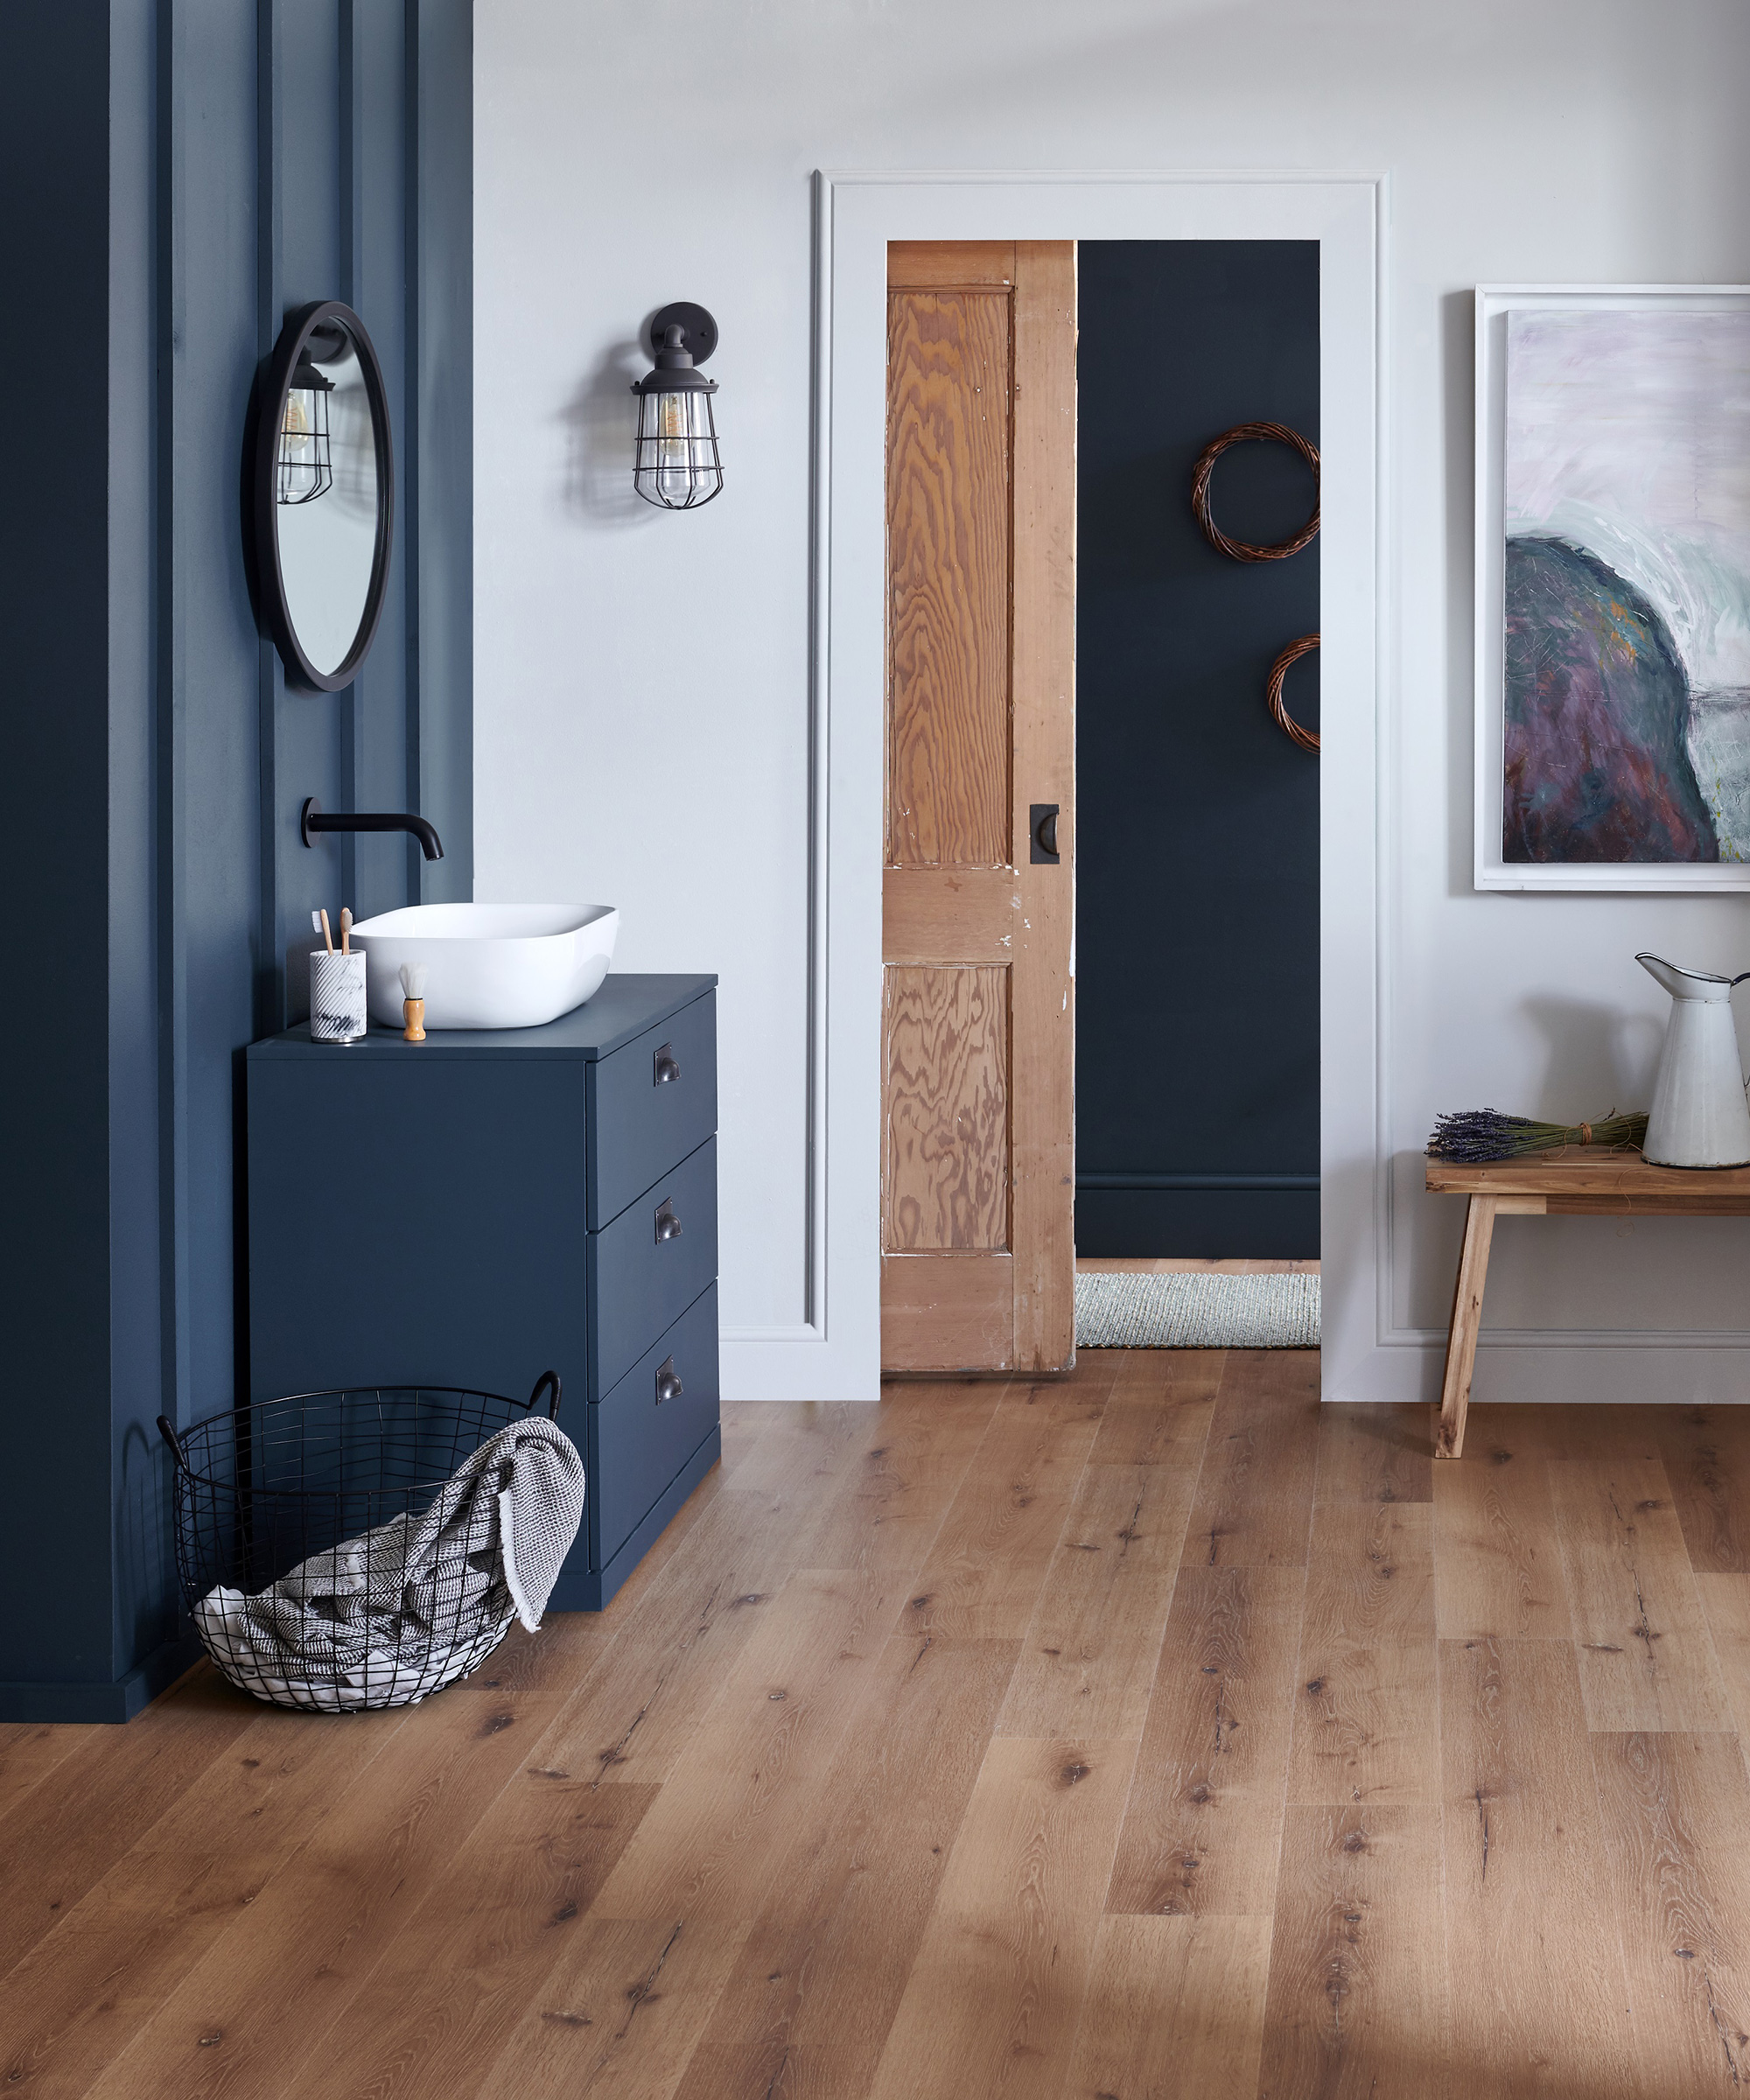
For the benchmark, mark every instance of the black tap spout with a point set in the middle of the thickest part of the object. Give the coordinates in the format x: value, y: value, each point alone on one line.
x: 312, y: 819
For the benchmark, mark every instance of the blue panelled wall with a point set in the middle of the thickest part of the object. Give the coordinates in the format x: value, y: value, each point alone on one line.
x: 1197, y: 833
x: 179, y: 175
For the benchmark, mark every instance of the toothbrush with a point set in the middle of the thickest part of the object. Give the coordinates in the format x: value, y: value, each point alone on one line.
x: 345, y: 929
x: 319, y: 921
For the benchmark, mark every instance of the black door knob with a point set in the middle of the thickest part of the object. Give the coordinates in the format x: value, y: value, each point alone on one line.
x: 1042, y: 818
x: 667, y: 1071
x: 668, y: 1225
x: 668, y: 1386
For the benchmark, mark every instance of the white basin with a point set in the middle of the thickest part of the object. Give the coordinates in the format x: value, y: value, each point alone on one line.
x: 488, y: 965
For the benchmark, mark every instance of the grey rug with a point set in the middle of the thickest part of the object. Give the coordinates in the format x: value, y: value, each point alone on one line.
x: 1196, y: 1312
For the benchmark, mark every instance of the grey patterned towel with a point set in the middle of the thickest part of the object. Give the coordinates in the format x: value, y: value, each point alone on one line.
x: 387, y: 1617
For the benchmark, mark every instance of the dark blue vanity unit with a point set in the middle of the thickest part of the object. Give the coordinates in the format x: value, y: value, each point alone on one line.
x: 486, y: 1205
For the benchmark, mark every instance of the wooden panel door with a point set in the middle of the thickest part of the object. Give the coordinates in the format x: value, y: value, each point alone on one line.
x: 977, y: 1257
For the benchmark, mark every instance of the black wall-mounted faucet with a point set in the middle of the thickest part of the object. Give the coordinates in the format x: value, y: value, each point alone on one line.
x: 370, y: 820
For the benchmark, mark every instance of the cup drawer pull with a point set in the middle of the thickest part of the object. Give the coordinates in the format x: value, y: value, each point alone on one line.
x: 668, y: 1225
x: 668, y: 1386
x: 665, y: 1070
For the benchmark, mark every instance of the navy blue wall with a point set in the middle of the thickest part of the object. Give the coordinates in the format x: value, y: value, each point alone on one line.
x: 1197, y: 857
x: 178, y: 176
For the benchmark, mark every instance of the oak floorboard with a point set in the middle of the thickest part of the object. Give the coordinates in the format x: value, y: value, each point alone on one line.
x: 1373, y: 1454
x: 1707, y: 1451
x: 759, y: 1752
x: 999, y: 1535
x: 618, y: 2013
x: 253, y: 2011
x: 1203, y: 1826
x: 769, y: 2071
x: 634, y: 1713
x: 557, y: 1658
x: 1174, y: 2010
x: 1358, y: 1997
x: 1539, y: 1991
x: 1158, y: 1406
x: 1726, y: 1605
x: 826, y: 1964
x: 889, y: 1504
x: 1091, y: 1646
x: 30, y: 1750
x: 1497, y: 1568
x: 1676, y: 1821
x: 82, y: 1993
x: 1367, y: 1658
x: 58, y: 1843
x: 994, y: 1995
x: 801, y: 1452
x: 759, y: 1831
x: 1255, y: 1490
x: 1552, y: 1429
x: 444, y: 1999
x: 1647, y: 1659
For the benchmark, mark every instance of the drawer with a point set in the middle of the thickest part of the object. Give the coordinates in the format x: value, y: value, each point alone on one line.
x: 650, y: 1105
x: 644, y: 1432
x: 643, y: 1272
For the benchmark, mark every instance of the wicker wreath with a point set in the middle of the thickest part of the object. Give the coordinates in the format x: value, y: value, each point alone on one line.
x: 1306, y: 739
x: 1243, y: 550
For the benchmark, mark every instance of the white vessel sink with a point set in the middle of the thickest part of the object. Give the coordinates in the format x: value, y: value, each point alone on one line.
x: 488, y: 965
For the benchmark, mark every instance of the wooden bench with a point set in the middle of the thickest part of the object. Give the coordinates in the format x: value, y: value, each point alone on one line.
x: 1573, y: 1184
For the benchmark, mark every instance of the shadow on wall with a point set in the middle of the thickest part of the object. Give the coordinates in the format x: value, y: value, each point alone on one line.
x: 601, y: 420
x: 1597, y: 1057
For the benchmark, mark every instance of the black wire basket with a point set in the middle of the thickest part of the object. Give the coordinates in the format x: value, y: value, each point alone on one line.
x: 322, y: 1492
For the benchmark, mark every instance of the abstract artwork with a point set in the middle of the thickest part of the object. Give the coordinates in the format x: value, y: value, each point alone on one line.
x: 1624, y: 659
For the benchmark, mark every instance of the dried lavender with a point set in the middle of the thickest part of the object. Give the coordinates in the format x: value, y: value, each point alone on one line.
x: 1474, y: 1135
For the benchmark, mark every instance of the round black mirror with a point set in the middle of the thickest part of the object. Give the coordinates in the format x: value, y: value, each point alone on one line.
x: 323, y: 488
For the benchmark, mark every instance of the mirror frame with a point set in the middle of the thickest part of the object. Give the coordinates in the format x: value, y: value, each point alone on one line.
x: 263, y: 458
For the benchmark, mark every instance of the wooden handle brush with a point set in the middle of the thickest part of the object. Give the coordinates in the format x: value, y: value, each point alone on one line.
x: 413, y: 1004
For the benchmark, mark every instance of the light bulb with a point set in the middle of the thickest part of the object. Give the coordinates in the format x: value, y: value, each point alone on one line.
x: 295, y: 431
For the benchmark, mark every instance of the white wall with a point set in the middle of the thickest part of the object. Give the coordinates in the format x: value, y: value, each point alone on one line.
x: 642, y: 686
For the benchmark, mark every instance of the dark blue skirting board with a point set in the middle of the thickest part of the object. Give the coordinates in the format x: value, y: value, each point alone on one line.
x: 119, y: 1701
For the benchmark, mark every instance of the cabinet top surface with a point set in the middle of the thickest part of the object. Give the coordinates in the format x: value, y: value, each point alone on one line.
x: 625, y: 1008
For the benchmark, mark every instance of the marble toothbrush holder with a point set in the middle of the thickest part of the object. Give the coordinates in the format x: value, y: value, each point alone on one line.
x: 337, y: 997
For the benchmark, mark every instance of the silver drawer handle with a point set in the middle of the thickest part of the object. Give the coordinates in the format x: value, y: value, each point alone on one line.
x: 668, y: 1386
x: 668, y: 1225
x: 666, y: 1071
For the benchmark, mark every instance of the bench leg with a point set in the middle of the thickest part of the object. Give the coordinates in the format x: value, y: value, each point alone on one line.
x: 1461, y: 1341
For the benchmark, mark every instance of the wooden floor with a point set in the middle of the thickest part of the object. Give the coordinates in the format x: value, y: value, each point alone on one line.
x: 1151, y: 1733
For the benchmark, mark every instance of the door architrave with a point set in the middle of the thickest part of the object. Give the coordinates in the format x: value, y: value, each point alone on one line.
x: 834, y: 1351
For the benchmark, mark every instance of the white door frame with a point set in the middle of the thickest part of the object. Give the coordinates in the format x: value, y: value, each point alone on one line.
x: 836, y: 1354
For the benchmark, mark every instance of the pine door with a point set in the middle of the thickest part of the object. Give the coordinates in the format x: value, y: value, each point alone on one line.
x: 977, y: 917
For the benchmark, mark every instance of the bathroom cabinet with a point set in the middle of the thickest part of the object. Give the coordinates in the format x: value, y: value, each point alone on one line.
x: 486, y: 1205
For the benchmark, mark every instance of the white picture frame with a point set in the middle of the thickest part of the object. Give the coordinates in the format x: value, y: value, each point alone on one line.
x: 1492, y: 871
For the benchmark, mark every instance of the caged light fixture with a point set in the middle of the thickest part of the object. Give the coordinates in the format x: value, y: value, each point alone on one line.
x: 306, y: 466
x: 677, y: 466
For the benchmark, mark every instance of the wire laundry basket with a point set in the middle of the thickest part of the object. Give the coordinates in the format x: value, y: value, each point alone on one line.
x: 315, y: 1482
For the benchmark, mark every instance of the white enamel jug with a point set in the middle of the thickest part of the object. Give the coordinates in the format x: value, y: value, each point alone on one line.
x: 1699, y: 1116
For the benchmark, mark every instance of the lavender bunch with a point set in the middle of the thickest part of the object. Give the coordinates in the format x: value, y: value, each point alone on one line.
x: 1474, y: 1135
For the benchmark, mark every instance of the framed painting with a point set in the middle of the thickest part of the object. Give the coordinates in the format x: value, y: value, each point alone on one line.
x: 1613, y: 587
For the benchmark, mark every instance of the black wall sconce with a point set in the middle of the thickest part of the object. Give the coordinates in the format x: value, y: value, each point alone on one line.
x: 677, y: 464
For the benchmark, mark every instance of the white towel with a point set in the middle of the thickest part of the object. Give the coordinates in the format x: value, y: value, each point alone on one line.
x: 385, y: 1618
